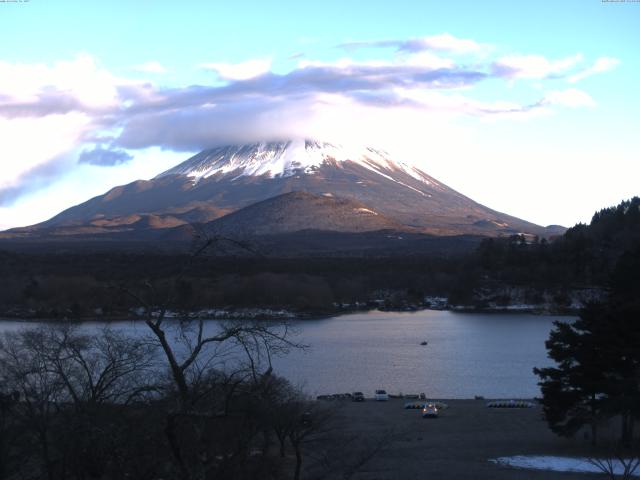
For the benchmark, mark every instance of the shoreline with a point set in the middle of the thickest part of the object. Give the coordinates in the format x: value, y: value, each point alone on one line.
x: 408, y: 398
x: 275, y: 313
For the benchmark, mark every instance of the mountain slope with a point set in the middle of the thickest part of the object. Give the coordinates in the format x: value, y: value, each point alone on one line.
x: 297, y: 211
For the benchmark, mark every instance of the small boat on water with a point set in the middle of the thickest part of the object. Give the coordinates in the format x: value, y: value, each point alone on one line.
x: 424, y: 342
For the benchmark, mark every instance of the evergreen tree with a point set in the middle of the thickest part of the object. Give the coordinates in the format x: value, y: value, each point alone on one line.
x: 597, y: 376
x: 573, y: 392
x: 624, y: 313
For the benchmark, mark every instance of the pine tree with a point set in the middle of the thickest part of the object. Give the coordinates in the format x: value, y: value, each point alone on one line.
x: 597, y: 376
x: 573, y: 392
x: 624, y: 314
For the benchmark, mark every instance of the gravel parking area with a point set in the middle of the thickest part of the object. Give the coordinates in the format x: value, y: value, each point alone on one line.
x: 457, y: 444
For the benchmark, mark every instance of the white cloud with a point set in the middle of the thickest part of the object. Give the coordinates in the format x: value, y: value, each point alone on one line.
x: 533, y: 66
x: 82, y: 79
x: 570, y: 97
x: 344, y: 63
x: 429, y: 60
x: 425, y: 60
x: 150, y: 67
x: 30, y: 143
x: 458, y: 104
x: 46, y: 111
x: 239, y: 71
x: 601, y: 65
x: 442, y: 43
x: 49, y: 113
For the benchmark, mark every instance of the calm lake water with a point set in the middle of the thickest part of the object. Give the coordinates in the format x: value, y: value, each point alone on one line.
x: 467, y: 353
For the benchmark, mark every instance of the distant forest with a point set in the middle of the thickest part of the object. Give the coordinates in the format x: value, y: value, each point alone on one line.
x: 585, y: 254
x: 81, y: 285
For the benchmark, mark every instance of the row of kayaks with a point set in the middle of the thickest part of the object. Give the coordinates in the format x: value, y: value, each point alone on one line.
x: 494, y: 404
x: 510, y: 404
x: 419, y: 405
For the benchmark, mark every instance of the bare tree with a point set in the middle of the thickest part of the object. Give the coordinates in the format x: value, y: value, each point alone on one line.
x: 193, y: 347
x: 342, y: 455
x: 309, y: 422
x: 24, y: 369
x: 8, y: 402
x: 196, y: 348
x: 619, y: 463
x: 107, y: 367
x: 66, y: 380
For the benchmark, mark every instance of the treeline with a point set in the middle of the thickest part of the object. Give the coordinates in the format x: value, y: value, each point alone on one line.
x: 77, y: 285
x: 81, y: 285
x: 585, y: 256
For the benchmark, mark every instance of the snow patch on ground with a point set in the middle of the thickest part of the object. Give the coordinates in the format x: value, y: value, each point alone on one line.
x: 365, y: 211
x: 557, y: 464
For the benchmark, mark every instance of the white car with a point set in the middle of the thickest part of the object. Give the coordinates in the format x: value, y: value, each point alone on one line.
x: 430, y: 410
x: 381, y: 396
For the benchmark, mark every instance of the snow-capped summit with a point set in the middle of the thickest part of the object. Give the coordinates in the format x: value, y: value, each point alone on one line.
x: 286, y: 159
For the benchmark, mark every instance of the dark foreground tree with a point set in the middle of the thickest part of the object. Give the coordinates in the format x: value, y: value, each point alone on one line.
x: 573, y: 392
x: 219, y: 374
x: 597, y: 376
x: 8, y: 432
x: 73, y: 393
x: 618, y: 464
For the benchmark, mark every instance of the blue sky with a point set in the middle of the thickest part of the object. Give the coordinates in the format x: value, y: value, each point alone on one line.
x: 527, y: 107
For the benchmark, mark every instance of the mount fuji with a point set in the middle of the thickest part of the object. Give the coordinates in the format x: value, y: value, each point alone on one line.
x: 284, y: 187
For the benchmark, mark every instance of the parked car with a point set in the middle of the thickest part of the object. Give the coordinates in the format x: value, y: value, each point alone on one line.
x: 381, y: 396
x: 357, y: 397
x: 430, y: 411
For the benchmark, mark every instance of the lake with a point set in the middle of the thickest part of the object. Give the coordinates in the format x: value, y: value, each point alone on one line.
x: 467, y: 354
